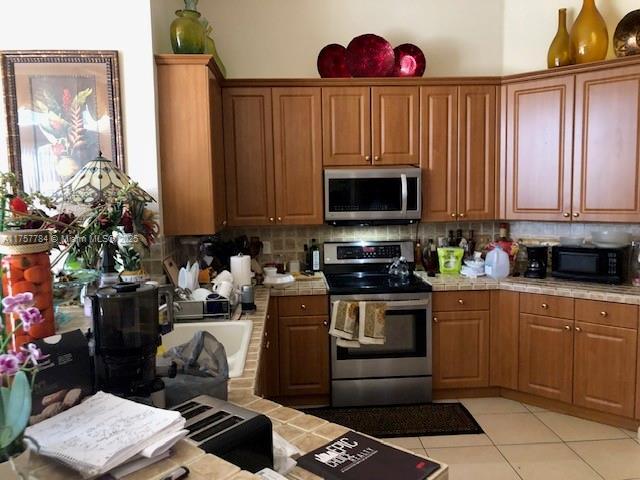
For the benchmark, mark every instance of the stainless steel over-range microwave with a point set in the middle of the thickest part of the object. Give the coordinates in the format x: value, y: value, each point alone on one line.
x: 370, y: 196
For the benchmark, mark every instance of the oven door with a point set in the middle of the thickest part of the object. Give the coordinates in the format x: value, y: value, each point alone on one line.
x: 406, y: 351
x: 372, y: 195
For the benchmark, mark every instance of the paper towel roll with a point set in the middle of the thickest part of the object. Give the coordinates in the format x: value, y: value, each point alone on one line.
x: 241, y: 270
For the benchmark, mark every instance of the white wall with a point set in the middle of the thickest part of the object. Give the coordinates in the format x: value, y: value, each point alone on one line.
x: 282, y: 38
x: 123, y: 25
x: 529, y: 28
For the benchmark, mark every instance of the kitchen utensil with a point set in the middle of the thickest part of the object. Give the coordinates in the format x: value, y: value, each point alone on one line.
x: 224, y: 288
x: 127, y: 334
x: 194, y: 270
x: 294, y: 266
x: 537, y: 260
x: 247, y: 298
x: 270, y: 271
x: 610, y: 238
x: 572, y: 241
x: 171, y: 269
x: 279, y: 280
x: 200, y: 294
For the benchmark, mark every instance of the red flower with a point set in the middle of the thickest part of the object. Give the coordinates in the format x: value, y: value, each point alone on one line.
x: 66, y: 99
x: 18, y: 205
x: 127, y: 222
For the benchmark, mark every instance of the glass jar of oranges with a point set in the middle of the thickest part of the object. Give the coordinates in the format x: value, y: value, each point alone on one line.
x: 26, y: 268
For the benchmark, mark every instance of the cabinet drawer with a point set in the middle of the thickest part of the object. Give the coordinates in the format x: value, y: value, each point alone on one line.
x: 303, y: 305
x: 607, y: 313
x: 546, y: 305
x: 460, y: 301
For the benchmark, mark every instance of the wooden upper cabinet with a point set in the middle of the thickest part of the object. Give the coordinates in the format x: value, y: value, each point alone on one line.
x: 248, y: 144
x: 606, y: 179
x: 605, y: 368
x: 477, y: 153
x: 458, y: 152
x: 439, y: 147
x: 346, y: 126
x: 546, y: 357
x: 461, y: 349
x: 395, y: 125
x: 538, y: 150
x: 190, y: 144
x: 297, y: 147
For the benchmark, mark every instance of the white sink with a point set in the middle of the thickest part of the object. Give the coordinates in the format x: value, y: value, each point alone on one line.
x: 234, y: 335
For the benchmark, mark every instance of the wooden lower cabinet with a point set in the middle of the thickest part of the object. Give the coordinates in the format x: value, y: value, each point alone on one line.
x: 304, y: 355
x: 546, y: 357
x: 269, y: 365
x: 505, y: 327
x: 605, y: 368
x: 460, y: 349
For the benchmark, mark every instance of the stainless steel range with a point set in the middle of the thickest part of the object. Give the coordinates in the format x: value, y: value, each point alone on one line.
x: 398, y: 372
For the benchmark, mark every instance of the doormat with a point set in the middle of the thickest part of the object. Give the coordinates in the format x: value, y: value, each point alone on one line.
x: 403, y: 420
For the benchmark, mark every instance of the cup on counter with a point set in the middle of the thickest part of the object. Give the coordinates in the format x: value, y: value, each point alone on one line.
x: 294, y: 266
x: 224, y: 289
x: 270, y: 271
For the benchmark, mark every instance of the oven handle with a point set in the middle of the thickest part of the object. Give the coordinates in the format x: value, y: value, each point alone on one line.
x: 403, y: 178
x: 408, y: 303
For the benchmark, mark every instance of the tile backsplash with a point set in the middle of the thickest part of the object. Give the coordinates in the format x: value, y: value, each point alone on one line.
x: 287, y: 243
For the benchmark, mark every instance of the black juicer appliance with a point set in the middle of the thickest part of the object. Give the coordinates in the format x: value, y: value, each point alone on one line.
x: 537, y: 260
x: 127, y: 336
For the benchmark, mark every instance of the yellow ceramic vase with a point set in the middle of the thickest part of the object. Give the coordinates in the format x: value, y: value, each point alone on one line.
x: 559, y: 53
x: 589, y: 36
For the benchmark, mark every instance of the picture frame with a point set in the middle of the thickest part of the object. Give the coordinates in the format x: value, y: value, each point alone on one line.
x: 63, y: 108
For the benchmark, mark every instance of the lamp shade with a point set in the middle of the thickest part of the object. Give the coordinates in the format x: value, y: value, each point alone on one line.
x: 99, y: 181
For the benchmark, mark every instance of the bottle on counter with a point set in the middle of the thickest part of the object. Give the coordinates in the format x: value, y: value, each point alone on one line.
x: 459, y: 237
x: 315, y: 255
x: 451, y: 241
x: 431, y: 258
x: 471, y: 243
x: 419, y: 260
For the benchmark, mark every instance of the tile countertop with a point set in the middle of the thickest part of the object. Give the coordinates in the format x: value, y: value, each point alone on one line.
x: 304, y: 431
x: 549, y: 286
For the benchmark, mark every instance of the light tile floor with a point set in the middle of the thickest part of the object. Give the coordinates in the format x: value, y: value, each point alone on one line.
x: 523, y: 442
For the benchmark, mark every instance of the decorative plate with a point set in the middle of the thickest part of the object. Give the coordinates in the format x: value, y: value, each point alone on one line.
x: 332, y: 62
x: 409, y: 61
x: 369, y: 55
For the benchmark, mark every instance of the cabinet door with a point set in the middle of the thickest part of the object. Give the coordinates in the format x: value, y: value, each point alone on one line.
x: 248, y: 145
x: 395, y: 125
x: 270, y: 361
x: 460, y: 349
x: 538, y: 149
x: 477, y: 157
x: 439, y: 152
x: 505, y: 326
x: 346, y: 126
x: 185, y: 144
x: 546, y: 357
x: 606, y: 175
x: 605, y: 368
x: 304, y: 355
x: 297, y: 146
x: 217, y: 137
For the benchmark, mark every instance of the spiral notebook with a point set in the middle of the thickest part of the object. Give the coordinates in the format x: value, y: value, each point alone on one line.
x: 104, y: 432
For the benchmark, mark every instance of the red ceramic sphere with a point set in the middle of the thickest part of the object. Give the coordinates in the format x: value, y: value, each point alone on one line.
x: 409, y: 61
x: 370, y: 55
x: 332, y: 62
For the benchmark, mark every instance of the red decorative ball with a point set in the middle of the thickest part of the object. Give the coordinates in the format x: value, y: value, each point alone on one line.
x: 370, y: 56
x: 332, y: 62
x: 409, y: 61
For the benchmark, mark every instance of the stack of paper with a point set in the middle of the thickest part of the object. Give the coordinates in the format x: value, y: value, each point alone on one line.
x: 106, y: 431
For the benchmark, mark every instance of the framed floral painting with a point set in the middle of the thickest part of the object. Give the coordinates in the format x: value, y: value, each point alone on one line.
x: 63, y: 108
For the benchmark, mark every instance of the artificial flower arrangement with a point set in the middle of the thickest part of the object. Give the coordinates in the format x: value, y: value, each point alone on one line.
x: 17, y: 372
x: 78, y: 234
